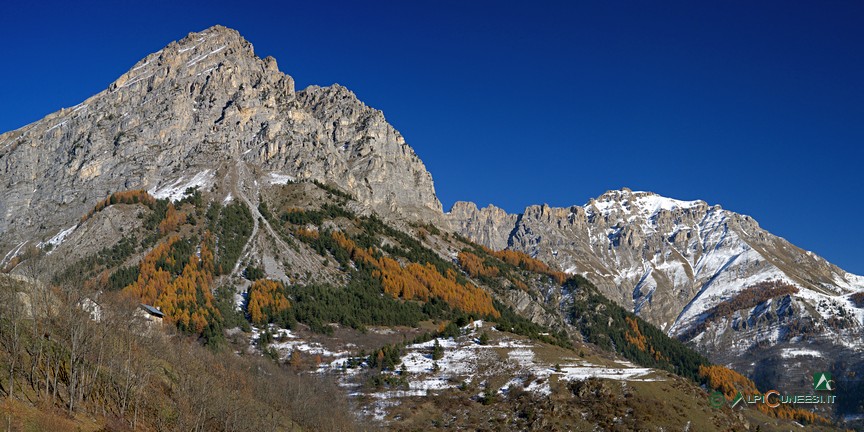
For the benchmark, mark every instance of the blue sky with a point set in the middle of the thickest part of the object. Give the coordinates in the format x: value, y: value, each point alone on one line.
x: 757, y: 107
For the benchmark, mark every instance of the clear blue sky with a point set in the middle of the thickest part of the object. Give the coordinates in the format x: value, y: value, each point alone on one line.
x: 757, y: 106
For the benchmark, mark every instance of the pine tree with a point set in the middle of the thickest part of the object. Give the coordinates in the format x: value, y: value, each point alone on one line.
x: 484, y: 338
x: 437, y: 351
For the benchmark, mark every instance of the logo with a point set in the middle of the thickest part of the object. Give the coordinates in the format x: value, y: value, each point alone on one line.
x: 738, y: 398
x: 772, y: 398
x: 716, y: 399
x: 823, y: 381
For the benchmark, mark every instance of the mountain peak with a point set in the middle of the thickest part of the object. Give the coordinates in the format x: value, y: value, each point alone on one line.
x: 212, y: 38
x: 630, y: 201
x: 195, y: 56
x: 204, y: 108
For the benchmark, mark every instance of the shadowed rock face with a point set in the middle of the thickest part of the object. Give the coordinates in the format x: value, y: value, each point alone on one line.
x: 204, y: 103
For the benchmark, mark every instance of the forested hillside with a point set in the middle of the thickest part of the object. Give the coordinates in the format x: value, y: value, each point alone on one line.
x: 80, y: 344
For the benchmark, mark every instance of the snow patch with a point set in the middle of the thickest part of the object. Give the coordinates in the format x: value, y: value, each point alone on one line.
x: 141, y: 65
x: 58, y: 238
x: 789, y: 353
x: 177, y: 190
x: 280, y: 179
x: 286, y: 342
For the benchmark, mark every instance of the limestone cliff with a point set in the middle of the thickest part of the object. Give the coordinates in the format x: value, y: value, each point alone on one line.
x: 190, y: 113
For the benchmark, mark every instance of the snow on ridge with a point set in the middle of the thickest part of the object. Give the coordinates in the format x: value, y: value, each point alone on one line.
x: 849, y: 281
x: 142, y: 65
x: 653, y: 203
x: 177, y: 190
x: 645, y: 204
x: 136, y: 80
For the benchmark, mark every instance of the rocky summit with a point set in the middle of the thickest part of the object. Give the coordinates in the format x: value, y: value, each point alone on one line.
x: 194, y: 113
x: 202, y: 171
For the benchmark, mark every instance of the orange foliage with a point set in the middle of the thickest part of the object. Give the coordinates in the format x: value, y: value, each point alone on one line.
x: 303, y: 232
x: 265, y: 300
x: 727, y: 381
x: 420, y: 282
x: 525, y: 262
x: 187, y: 299
x: 173, y: 220
x: 474, y: 265
x: 519, y: 284
x: 124, y: 197
x: 636, y: 338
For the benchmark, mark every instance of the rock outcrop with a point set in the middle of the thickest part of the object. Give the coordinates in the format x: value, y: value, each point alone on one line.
x: 189, y: 113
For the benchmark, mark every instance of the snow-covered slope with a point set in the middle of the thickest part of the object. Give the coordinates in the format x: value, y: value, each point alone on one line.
x: 675, y: 262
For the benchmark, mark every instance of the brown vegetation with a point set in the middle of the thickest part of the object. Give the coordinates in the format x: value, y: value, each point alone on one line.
x: 525, y: 262
x: 420, y: 282
x: 634, y: 336
x: 752, y: 296
x: 474, y: 266
x: 173, y: 220
x: 117, y: 373
x: 266, y: 300
x: 186, y: 299
x: 124, y: 197
x: 858, y: 299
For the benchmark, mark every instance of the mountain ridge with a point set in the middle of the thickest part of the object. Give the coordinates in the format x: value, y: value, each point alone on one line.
x: 614, y: 210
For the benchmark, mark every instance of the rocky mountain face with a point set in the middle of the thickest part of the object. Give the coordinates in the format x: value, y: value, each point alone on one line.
x: 686, y: 266
x: 195, y: 113
x: 206, y: 112
x: 664, y: 258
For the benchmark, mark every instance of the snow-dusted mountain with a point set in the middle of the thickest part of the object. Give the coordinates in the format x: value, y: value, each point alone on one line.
x: 699, y: 272
x: 205, y: 112
x: 667, y: 259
